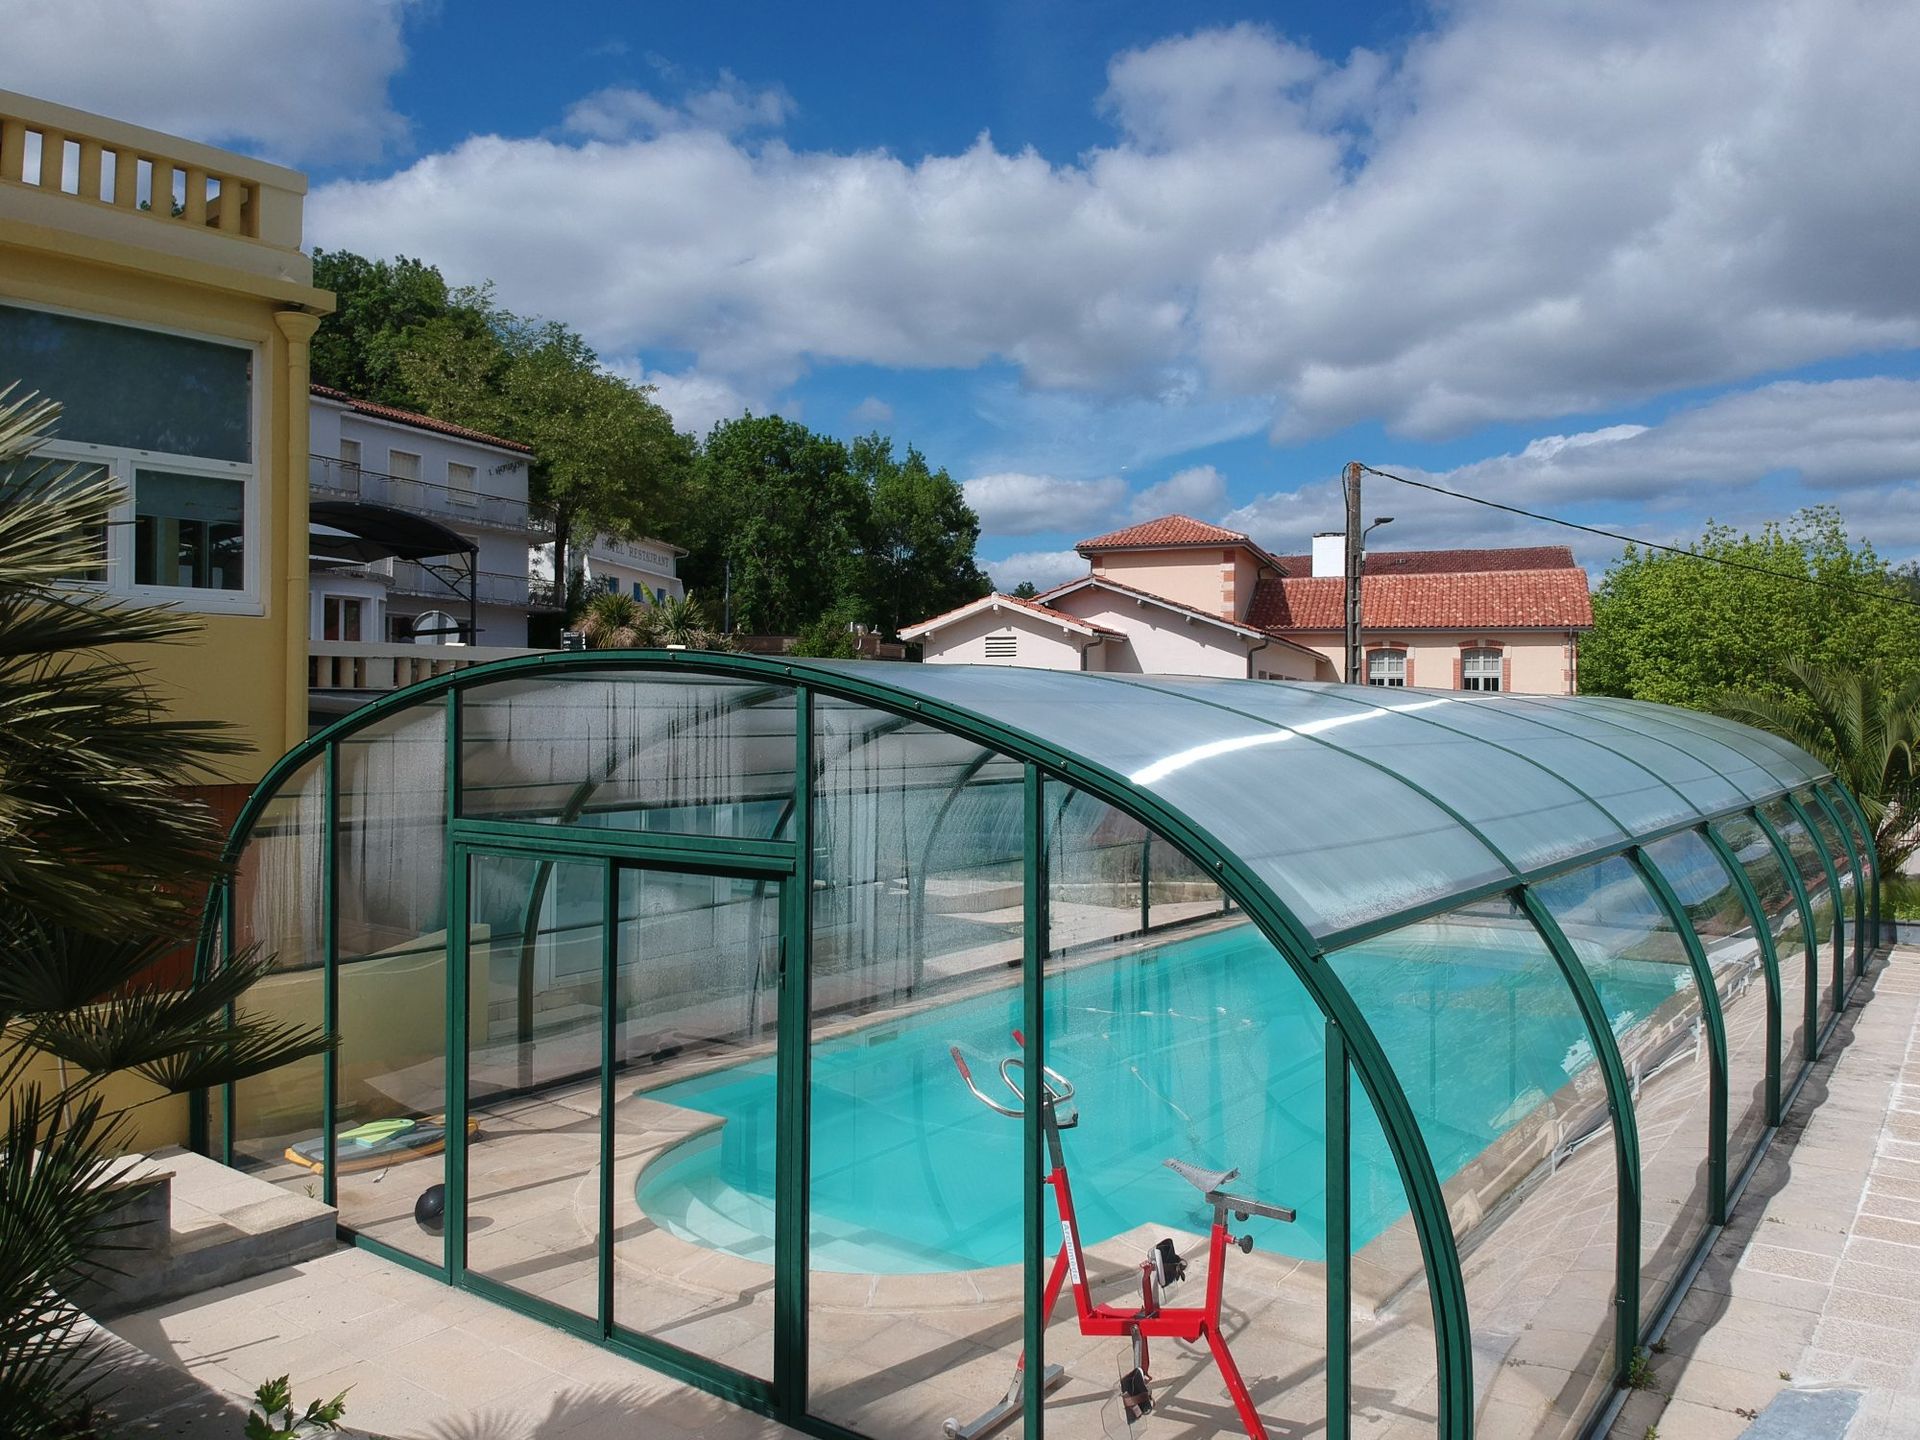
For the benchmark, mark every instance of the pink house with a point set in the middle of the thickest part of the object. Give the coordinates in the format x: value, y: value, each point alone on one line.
x: 1177, y: 596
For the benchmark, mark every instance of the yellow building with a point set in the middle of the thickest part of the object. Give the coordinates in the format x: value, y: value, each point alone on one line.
x: 157, y: 289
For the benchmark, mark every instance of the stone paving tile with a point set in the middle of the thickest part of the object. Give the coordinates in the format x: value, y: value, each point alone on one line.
x: 1822, y: 1284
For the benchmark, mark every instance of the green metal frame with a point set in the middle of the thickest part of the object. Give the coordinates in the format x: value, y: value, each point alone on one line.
x: 1869, y: 850
x: 1742, y: 1173
x: 1809, y: 938
x: 1626, y: 1131
x: 1845, y: 831
x: 1352, y: 1051
x: 1839, y: 962
x: 1716, y: 1030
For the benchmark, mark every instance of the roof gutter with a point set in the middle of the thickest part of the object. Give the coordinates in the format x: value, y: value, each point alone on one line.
x: 1255, y: 651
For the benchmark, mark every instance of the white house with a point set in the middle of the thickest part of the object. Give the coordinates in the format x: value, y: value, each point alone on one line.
x: 1177, y: 596
x: 646, y: 569
x: 472, y: 483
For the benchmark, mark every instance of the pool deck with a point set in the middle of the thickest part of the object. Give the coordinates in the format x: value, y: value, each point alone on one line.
x: 1819, y: 1280
x: 1807, y: 1311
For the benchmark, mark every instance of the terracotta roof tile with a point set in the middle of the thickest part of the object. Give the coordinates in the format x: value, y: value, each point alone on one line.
x: 1102, y: 582
x: 1514, y: 599
x: 1168, y: 531
x: 1447, y: 562
x: 415, y: 419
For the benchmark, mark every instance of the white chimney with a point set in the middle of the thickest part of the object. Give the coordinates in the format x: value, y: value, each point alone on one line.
x: 1329, y: 555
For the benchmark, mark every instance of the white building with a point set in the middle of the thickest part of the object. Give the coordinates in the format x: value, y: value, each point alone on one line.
x: 646, y: 569
x: 1177, y: 596
x: 389, y: 621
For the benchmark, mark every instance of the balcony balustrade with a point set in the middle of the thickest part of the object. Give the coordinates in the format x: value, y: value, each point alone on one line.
x: 145, y: 188
x: 354, y: 665
x: 331, y: 479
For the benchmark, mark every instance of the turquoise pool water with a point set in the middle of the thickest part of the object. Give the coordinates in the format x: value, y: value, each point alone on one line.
x: 1205, y: 1049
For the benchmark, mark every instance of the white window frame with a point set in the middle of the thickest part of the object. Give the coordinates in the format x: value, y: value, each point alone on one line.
x: 1390, y: 676
x: 393, y: 469
x: 465, y: 492
x: 1485, y: 656
x: 121, y: 462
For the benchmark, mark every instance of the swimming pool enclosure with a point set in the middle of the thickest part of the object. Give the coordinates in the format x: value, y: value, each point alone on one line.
x: 707, y: 989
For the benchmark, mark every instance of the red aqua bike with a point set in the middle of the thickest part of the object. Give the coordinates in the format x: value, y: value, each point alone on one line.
x: 1162, y: 1268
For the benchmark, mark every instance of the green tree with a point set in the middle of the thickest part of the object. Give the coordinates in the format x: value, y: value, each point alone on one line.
x: 1025, y: 590
x: 377, y: 304
x: 606, y: 456
x: 102, y: 863
x: 1674, y: 629
x: 919, y: 539
x: 1866, y: 730
x: 776, y: 519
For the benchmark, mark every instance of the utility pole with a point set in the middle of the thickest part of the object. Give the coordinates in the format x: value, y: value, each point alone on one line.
x: 1350, y: 484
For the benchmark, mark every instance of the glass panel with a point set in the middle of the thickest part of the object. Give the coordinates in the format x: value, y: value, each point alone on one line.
x: 1813, y: 875
x: 696, y: 1124
x: 1197, y: 1047
x: 1732, y: 751
x: 1639, y: 799
x: 1719, y: 917
x: 1095, y: 871
x: 1863, y: 845
x: 633, y: 751
x: 278, y: 898
x: 915, y: 1253
x: 1638, y: 963
x: 391, y: 937
x: 134, y: 388
x: 1390, y: 849
x: 535, y: 1007
x: 1489, y: 1046
x: 188, y: 531
x: 1524, y: 810
x: 1846, y: 922
x: 1395, y: 1369
x: 1770, y: 882
x: 1705, y: 788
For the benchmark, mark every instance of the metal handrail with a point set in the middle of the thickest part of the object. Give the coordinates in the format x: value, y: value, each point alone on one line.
x: 333, y: 477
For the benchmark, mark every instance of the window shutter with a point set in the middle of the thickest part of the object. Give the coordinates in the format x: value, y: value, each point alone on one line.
x: 1459, y: 678
x: 1506, y: 673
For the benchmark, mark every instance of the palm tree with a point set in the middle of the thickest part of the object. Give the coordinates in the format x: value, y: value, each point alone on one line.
x: 103, y: 864
x: 682, y: 620
x: 1865, y: 728
x: 614, y: 620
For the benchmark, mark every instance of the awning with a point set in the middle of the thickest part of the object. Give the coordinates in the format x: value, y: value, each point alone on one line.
x: 350, y: 530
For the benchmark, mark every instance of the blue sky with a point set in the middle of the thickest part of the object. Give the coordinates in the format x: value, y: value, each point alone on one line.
x: 1636, y: 263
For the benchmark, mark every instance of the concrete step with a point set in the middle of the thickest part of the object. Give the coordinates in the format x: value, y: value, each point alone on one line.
x: 219, y: 1226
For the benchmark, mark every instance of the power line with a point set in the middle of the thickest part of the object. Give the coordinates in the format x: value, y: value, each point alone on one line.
x: 1841, y: 585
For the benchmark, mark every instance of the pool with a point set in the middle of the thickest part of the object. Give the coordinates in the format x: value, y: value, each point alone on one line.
x: 1206, y: 1049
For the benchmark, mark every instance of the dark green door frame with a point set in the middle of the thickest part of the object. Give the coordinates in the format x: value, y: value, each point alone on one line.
x: 1839, y: 961
x: 1770, y: 959
x: 1845, y: 831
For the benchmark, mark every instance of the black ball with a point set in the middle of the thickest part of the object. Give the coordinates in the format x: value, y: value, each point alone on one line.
x: 430, y: 1210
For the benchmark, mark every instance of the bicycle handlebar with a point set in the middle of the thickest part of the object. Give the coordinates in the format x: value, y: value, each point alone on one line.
x: 1059, y: 1089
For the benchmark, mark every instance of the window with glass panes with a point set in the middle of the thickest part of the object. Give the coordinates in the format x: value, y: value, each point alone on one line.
x: 1480, y: 669
x: 171, y: 419
x: 1387, y: 667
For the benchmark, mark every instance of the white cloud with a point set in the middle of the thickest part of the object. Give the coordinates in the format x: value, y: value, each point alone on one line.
x: 297, y: 83
x: 1527, y: 211
x: 1199, y: 491
x: 621, y: 112
x: 1857, y: 440
x: 696, y: 401
x: 1010, y: 503
x: 871, y: 413
x: 1045, y: 568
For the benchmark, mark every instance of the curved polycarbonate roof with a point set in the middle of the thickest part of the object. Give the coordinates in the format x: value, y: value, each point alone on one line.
x: 1354, y: 804
x: 1351, y: 805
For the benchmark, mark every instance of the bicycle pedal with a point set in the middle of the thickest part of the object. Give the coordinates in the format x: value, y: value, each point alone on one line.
x: 1168, y: 1267
x: 1135, y: 1397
